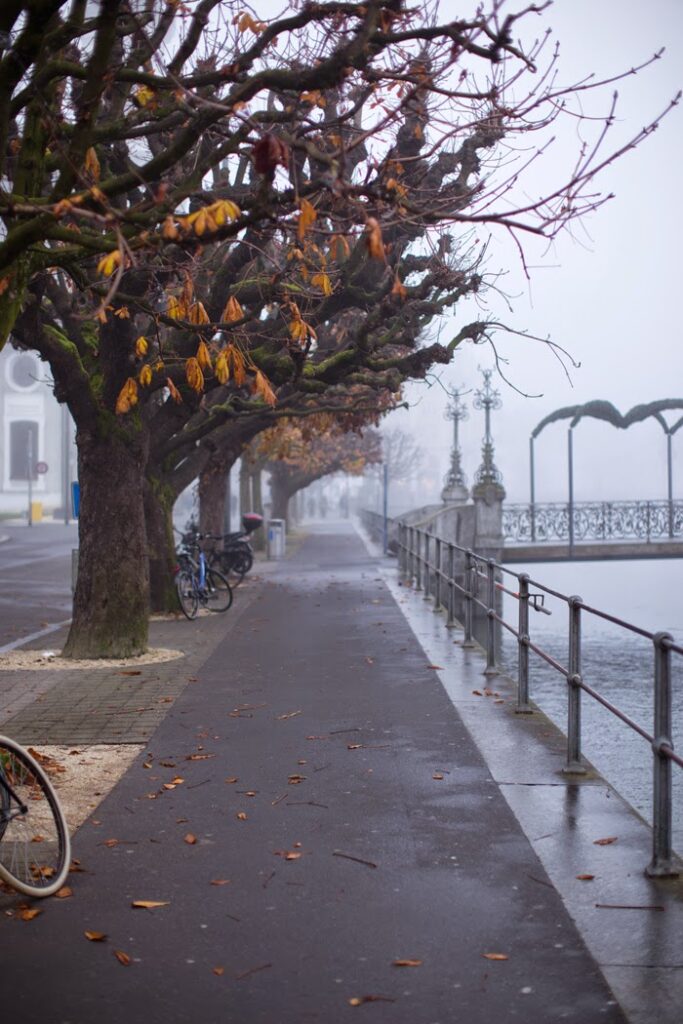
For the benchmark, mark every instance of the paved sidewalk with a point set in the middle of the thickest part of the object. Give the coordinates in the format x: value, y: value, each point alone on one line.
x: 333, y: 843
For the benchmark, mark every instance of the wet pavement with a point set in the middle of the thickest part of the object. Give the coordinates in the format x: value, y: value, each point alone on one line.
x: 326, y: 838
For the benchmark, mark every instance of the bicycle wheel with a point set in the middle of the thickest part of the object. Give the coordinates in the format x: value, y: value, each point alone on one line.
x: 218, y: 595
x: 187, y: 594
x: 237, y: 561
x: 35, y: 849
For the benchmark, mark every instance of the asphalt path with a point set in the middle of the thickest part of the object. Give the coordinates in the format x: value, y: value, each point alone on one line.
x: 323, y: 840
x: 35, y: 578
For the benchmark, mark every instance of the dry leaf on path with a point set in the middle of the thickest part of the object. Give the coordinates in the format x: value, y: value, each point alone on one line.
x: 359, y: 1000
x: 218, y: 970
x: 605, y: 842
x: 585, y: 878
x: 438, y: 776
x: 407, y: 963
x: 220, y: 881
x: 190, y: 839
x: 95, y: 936
x: 122, y: 957
x: 241, y: 816
x: 29, y: 913
x: 150, y: 904
x: 64, y: 893
x: 495, y: 956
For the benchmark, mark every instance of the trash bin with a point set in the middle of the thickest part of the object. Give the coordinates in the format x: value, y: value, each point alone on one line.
x: 276, y: 538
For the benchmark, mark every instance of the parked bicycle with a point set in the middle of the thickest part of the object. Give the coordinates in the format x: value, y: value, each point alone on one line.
x: 35, y: 849
x: 197, y: 584
x: 233, y: 554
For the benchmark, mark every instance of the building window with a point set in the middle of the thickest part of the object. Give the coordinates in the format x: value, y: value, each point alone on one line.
x: 23, y: 372
x: 23, y: 443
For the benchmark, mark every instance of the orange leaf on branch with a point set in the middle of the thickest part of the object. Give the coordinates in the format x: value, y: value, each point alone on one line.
x: 373, y: 240
x: 194, y: 375
x: 128, y: 397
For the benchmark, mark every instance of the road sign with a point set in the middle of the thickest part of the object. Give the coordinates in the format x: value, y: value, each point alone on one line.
x: 41, y: 467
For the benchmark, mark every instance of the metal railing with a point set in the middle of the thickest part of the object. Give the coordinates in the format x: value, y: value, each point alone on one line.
x: 429, y: 563
x: 579, y: 522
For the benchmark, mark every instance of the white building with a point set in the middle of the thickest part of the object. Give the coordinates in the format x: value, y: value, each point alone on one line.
x: 34, y: 431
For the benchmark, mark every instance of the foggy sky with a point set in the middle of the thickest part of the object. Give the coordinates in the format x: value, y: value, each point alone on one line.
x: 609, y: 295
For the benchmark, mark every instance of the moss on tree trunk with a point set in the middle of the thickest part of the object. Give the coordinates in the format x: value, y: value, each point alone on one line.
x: 158, y: 504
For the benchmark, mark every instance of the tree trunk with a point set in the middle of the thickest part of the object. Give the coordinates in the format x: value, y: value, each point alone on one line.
x: 212, y: 495
x: 111, y: 603
x: 280, y: 491
x: 158, y: 501
x: 245, y: 488
x: 258, y: 539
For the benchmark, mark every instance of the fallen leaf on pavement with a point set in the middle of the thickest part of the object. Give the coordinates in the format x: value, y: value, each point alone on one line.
x: 220, y: 881
x: 435, y: 666
x: 294, y: 780
x: 199, y: 757
x: 354, y: 746
x: 29, y: 913
x: 190, y: 839
x: 110, y: 842
x: 232, y: 779
x: 585, y: 878
x: 287, y: 854
x: 438, y: 776
x: 64, y: 893
x: 290, y: 714
x: 407, y: 963
x: 495, y: 956
x: 149, y: 904
x: 218, y: 970
x: 359, y: 1000
x: 477, y: 693
x: 241, y: 816
x: 605, y: 842
x: 122, y: 957
x: 95, y: 936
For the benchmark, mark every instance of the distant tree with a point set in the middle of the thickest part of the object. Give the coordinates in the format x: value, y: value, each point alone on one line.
x: 297, y: 455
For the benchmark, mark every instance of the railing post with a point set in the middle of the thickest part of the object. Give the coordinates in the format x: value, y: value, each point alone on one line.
x: 469, y: 599
x: 437, y: 574
x: 573, y: 765
x: 450, y: 618
x: 491, y: 669
x: 418, y: 563
x: 427, y: 580
x: 523, y: 707
x: 663, y: 864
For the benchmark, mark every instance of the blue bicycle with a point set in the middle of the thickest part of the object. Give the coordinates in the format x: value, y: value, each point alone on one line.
x: 196, y: 584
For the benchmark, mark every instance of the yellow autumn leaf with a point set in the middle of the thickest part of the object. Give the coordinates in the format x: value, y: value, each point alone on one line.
x: 222, y: 368
x: 245, y: 21
x: 173, y: 391
x: 407, y: 963
x: 495, y: 956
x: 95, y: 936
x: 123, y: 313
x: 150, y: 904
x: 194, y: 375
x: 232, y: 312
x: 110, y: 262
x: 145, y: 376
x: 123, y: 958
x: 92, y: 164
x: 237, y: 367
x: 198, y: 314
x: 204, y: 356
x: 339, y: 248
x: 176, y: 309
x: 128, y: 397
x: 373, y: 239
x: 323, y: 282
x: 224, y: 211
x: 141, y: 346
x: 144, y: 95
x: 170, y: 230
x: 262, y: 387
x: 307, y: 215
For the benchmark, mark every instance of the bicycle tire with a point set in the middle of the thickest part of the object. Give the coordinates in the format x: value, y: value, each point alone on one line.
x: 187, y: 594
x: 35, y: 848
x: 237, y: 561
x: 218, y: 595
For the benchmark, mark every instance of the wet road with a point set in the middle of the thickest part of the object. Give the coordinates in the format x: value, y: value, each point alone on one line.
x: 35, y: 578
x: 333, y: 838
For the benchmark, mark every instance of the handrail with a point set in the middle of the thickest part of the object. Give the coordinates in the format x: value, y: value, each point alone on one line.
x: 438, y: 578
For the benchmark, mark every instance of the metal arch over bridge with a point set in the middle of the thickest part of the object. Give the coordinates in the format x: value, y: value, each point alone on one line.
x: 608, y: 526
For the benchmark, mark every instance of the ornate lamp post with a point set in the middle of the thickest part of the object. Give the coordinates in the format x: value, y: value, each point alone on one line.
x: 487, y: 398
x: 454, y: 489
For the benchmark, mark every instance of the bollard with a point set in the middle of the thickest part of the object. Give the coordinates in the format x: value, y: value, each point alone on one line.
x: 573, y: 765
x: 523, y: 707
x: 663, y: 864
x: 491, y: 669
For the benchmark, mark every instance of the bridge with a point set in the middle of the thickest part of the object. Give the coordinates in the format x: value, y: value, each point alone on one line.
x: 589, y: 531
